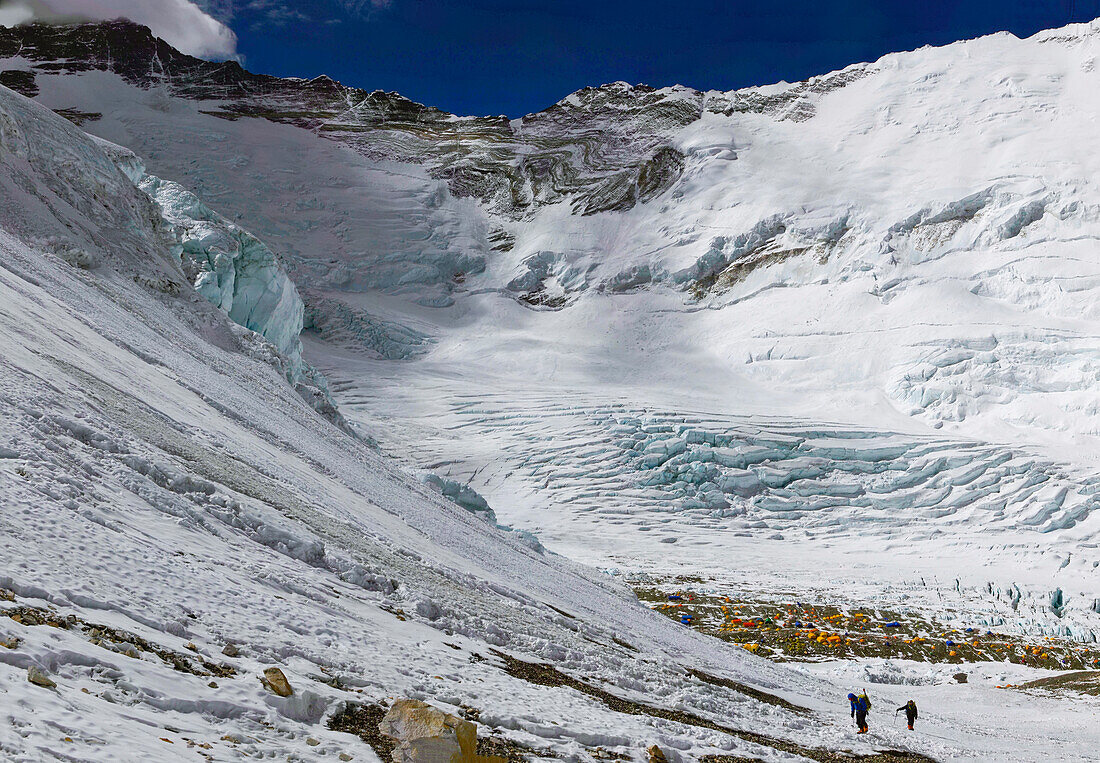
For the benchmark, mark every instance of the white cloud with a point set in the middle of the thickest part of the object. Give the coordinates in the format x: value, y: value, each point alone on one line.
x: 15, y: 13
x: 180, y: 23
x: 360, y: 6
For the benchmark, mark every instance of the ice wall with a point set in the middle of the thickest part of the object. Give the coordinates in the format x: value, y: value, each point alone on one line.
x: 230, y: 267
x: 238, y: 274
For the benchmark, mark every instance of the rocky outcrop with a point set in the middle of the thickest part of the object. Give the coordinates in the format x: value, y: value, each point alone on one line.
x: 416, y: 732
x: 425, y: 734
x: 276, y: 682
x: 39, y: 677
x: 602, y: 149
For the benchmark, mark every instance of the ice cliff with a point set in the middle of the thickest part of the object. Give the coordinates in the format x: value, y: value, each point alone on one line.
x: 80, y: 197
x: 227, y: 265
x: 234, y: 271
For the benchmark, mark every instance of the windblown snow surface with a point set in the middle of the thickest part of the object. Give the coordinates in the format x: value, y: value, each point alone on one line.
x: 850, y: 350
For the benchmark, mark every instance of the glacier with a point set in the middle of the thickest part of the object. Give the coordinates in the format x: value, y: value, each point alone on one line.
x: 814, y: 254
x: 168, y: 495
x: 785, y: 197
x: 835, y: 339
x: 230, y: 267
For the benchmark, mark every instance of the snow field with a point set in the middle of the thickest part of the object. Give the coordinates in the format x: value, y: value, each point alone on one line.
x: 162, y: 481
x: 851, y: 348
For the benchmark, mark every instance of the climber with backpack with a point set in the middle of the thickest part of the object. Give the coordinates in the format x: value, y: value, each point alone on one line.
x: 910, y: 709
x: 860, y: 706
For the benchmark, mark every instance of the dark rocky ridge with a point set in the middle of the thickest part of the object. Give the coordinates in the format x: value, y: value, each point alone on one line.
x: 602, y: 148
x: 567, y: 151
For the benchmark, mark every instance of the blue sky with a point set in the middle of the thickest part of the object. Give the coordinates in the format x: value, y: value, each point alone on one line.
x: 500, y: 57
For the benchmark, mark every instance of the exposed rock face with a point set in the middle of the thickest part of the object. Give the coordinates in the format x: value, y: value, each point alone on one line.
x: 21, y: 82
x: 275, y: 681
x: 428, y: 735
x: 602, y: 149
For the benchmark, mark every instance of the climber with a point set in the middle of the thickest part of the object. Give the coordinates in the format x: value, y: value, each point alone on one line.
x: 910, y: 709
x: 860, y: 706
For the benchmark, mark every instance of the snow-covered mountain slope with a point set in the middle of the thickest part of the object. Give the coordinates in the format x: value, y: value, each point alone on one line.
x: 914, y: 234
x: 831, y: 338
x: 166, y: 493
x: 906, y: 246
